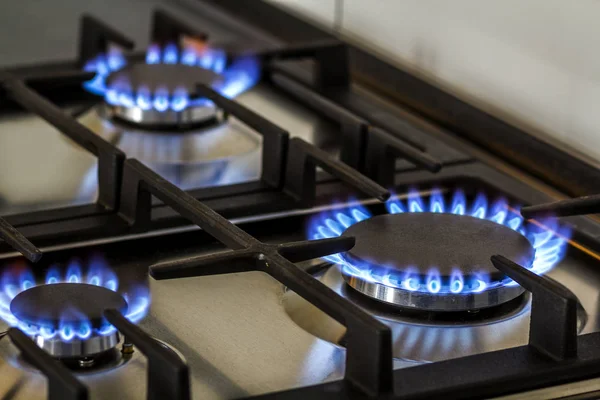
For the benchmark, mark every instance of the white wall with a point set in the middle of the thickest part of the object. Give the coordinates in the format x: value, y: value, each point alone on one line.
x: 319, y: 11
x: 537, y: 60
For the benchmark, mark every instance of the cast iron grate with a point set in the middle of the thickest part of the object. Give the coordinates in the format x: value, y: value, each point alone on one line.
x: 17, y: 241
x: 565, y: 208
x: 553, y: 356
x: 366, y: 147
x: 289, y: 166
x: 369, y: 361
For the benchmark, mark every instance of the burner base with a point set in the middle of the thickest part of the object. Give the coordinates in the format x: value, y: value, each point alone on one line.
x: 419, y: 336
x: 151, y: 91
x: 77, y: 348
x: 433, y: 261
x: 70, y: 317
x: 431, y: 302
x: 168, y: 119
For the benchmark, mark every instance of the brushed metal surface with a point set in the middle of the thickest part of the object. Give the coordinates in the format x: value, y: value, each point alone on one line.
x: 233, y: 333
x: 414, y: 339
x: 419, y: 340
x: 236, y: 333
x: 245, y: 334
x: 234, y: 330
x: 222, y: 154
x: 220, y: 141
x: 49, y: 171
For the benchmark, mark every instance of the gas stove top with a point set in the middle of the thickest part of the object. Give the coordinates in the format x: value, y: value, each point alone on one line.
x: 225, y: 211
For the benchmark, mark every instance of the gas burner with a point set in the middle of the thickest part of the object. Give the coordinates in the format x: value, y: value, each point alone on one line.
x: 160, y: 92
x: 437, y: 258
x: 422, y: 336
x: 65, y: 316
x: 177, y: 81
x: 75, y: 310
x: 460, y: 240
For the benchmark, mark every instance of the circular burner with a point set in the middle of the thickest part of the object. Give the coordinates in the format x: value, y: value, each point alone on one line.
x: 51, y: 305
x: 435, y: 262
x: 70, y: 316
x: 423, y: 336
x: 158, y: 95
x: 84, y: 350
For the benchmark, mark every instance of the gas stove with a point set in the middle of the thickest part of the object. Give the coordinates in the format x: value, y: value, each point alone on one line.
x: 234, y: 207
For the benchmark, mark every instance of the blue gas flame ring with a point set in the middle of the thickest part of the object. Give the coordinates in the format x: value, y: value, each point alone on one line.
x: 547, y: 237
x: 238, y: 76
x: 20, y: 278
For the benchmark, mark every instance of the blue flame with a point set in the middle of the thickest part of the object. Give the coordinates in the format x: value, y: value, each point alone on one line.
x: 189, y: 57
x: 239, y: 76
x: 98, y: 274
x: 179, y: 100
x: 161, y: 99
x: 152, y: 54
x: 171, y: 54
x: 548, y: 239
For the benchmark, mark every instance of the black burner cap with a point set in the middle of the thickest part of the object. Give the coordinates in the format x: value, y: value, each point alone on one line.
x: 446, y: 242
x: 48, y: 305
x: 163, y: 76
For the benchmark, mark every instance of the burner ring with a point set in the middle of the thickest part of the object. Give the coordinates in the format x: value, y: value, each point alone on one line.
x: 429, y: 302
x: 66, y: 307
x: 433, y: 261
x: 153, y: 119
x: 159, y: 95
x: 92, y: 346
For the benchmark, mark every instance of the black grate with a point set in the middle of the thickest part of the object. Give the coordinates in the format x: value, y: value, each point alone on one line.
x: 551, y: 357
x: 275, y: 138
x: 168, y: 29
x: 300, y: 179
x: 17, y: 241
x: 382, y: 151
x: 369, y: 361
x: 168, y: 375
x: 95, y: 37
x: 552, y: 305
x: 289, y: 167
x: 62, y: 384
x: 365, y: 147
x: 564, y: 208
x: 353, y: 128
x: 331, y: 66
x: 110, y: 159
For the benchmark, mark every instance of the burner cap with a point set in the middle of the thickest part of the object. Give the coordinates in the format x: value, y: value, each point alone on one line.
x: 49, y: 305
x: 159, y: 94
x: 63, y: 307
x: 163, y: 76
x: 442, y: 249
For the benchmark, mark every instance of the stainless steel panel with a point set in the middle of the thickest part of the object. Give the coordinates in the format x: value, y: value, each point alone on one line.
x: 324, y: 12
x: 42, y: 169
x: 245, y: 334
x: 233, y: 333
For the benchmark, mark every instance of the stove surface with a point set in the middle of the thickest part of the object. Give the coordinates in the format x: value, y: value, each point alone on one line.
x: 245, y: 334
x: 64, y: 174
x: 192, y: 261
